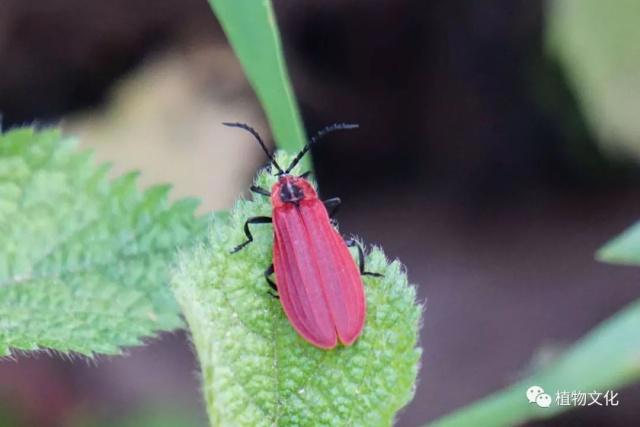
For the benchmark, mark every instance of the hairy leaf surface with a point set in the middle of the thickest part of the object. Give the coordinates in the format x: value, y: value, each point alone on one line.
x: 83, y: 262
x: 257, y: 371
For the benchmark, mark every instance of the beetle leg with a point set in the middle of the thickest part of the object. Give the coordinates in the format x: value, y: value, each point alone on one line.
x: 260, y: 190
x: 305, y: 175
x: 247, y: 231
x: 274, y: 289
x: 353, y: 242
x: 332, y: 205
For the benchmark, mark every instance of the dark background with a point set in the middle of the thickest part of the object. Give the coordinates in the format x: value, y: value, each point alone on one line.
x: 473, y: 165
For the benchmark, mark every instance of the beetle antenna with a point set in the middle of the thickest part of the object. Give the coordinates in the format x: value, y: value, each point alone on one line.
x: 256, y: 135
x: 321, y: 133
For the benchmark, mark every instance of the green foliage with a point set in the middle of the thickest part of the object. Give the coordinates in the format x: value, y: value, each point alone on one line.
x: 83, y: 262
x: 603, y: 66
x: 166, y: 415
x: 606, y: 358
x: 623, y: 249
x: 252, y: 30
x: 257, y: 371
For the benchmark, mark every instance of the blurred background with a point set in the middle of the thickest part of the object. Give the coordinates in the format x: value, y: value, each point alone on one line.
x: 498, y: 150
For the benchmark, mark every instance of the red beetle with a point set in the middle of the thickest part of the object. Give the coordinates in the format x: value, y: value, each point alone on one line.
x: 318, y: 282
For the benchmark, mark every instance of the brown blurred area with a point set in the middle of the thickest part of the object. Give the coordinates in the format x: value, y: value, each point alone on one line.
x: 473, y: 165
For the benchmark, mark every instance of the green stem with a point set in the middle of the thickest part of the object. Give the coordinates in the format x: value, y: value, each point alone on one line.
x: 252, y: 30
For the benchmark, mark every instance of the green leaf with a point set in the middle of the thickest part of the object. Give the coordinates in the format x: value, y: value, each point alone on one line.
x: 257, y: 371
x: 603, y: 66
x: 83, y: 262
x: 608, y: 357
x: 623, y: 249
x: 252, y: 30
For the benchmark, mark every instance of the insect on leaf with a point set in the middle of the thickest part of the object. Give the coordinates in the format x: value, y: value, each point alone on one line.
x: 257, y: 371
